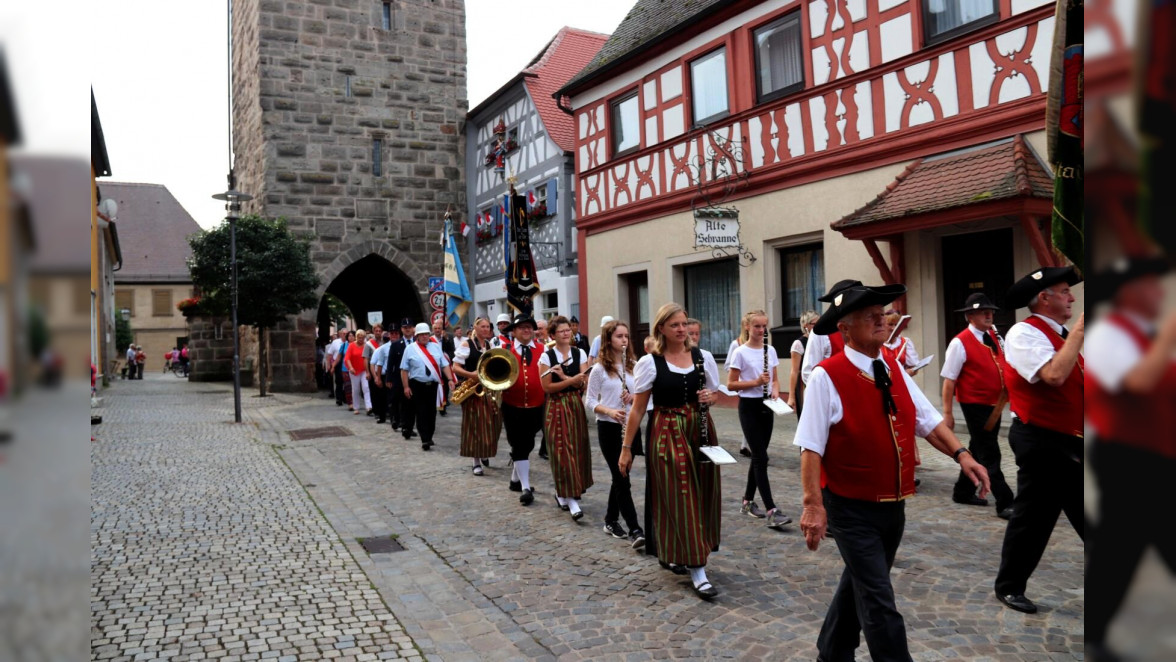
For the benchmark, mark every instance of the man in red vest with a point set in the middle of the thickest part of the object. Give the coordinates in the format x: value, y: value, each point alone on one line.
x: 820, y: 347
x: 972, y: 374
x: 1130, y: 406
x: 522, y: 406
x: 1043, y: 374
x: 857, y: 467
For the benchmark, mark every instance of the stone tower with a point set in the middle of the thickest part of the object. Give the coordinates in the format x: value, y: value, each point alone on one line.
x: 347, y: 121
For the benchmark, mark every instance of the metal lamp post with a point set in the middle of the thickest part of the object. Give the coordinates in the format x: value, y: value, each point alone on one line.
x: 233, y: 200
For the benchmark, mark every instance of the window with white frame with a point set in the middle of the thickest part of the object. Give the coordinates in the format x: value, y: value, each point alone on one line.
x: 944, y: 19
x: 626, y: 124
x: 779, y: 65
x: 708, y: 87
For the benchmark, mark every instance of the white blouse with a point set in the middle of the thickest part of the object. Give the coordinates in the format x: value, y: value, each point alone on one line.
x: 750, y: 363
x: 605, y: 389
x: 646, y: 371
x: 546, y: 362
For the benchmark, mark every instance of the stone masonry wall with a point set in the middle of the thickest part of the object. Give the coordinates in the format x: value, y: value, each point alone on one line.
x: 329, y: 80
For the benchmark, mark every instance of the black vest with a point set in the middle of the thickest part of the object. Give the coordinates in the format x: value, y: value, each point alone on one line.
x: 671, y: 389
x: 570, y: 371
x: 471, y: 362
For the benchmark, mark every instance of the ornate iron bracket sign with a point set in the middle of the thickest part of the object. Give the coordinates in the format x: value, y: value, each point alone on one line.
x: 717, y: 177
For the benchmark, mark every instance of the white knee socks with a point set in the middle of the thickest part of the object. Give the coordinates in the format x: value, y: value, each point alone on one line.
x: 573, y: 505
x: 523, y: 468
x: 698, y: 576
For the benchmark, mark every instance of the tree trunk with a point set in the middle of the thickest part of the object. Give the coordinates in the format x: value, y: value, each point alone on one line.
x: 263, y: 359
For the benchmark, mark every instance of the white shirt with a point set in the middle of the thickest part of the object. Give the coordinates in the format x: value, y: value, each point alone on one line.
x: 823, y: 408
x: 1114, y: 351
x: 750, y: 364
x: 818, y: 349
x: 545, y: 361
x: 594, y: 351
x: 646, y: 370
x: 956, y: 355
x: 912, y: 355
x: 332, y: 350
x: 536, y: 349
x: 797, y: 348
x: 605, y: 389
x: 1028, y: 349
x: 462, y: 352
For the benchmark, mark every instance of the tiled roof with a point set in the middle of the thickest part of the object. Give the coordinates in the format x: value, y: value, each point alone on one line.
x: 57, y: 192
x: 153, y: 230
x: 566, y: 54
x: 644, y: 26
x: 1008, y: 169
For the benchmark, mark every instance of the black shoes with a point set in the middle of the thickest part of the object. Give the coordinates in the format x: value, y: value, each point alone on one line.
x: 637, y: 538
x: 409, y: 434
x: 1005, y: 513
x: 527, y: 497
x: 562, y: 506
x: 706, y: 591
x: 972, y: 500
x: 516, y: 486
x: 1018, y: 602
x: 380, y: 421
x: 614, y: 529
x: 745, y: 451
x: 543, y: 454
x: 427, y: 446
x: 486, y: 462
x: 674, y: 568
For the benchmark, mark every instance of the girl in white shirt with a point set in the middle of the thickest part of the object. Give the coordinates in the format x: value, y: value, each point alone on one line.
x: 744, y: 449
x: 610, y: 396
x: 752, y: 373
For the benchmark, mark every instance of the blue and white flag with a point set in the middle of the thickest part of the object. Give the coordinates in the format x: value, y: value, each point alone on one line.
x: 457, y: 290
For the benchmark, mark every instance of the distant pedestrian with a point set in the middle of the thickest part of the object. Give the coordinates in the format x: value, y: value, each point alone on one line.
x: 140, y: 360
x: 361, y: 397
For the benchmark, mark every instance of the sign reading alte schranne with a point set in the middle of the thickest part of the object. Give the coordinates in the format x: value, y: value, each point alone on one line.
x: 716, y: 227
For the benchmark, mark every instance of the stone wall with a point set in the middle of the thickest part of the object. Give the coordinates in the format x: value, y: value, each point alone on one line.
x: 315, y: 85
x: 212, y: 357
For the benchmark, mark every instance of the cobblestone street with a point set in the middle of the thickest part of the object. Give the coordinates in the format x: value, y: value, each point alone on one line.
x: 211, y: 540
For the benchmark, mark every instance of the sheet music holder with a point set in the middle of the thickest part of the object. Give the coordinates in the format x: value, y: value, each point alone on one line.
x: 901, y: 326
x: 923, y: 363
x: 778, y: 406
x: 717, y: 454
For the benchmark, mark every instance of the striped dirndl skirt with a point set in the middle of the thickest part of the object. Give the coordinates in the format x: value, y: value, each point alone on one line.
x: 683, y: 515
x: 566, y: 427
x: 481, y: 424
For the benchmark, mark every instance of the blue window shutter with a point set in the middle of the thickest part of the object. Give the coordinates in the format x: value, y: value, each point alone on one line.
x: 552, y: 202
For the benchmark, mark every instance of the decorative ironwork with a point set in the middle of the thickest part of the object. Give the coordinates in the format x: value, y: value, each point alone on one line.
x: 717, y: 176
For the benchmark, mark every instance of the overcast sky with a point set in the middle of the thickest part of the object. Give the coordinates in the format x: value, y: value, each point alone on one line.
x: 158, y: 73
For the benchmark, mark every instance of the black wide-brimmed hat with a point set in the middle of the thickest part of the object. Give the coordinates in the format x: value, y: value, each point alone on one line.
x: 1024, y: 290
x: 853, y: 299
x: 839, y: 286
x: 1107, y: 282
x: 406, y: 322
x: 522, y: 319
x: 975, y: 302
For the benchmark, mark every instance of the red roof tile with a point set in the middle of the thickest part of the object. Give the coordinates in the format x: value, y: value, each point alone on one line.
x: 569, y: 52
x: 958, y: 179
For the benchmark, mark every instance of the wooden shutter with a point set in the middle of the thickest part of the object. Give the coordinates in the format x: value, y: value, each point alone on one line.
x: 124, y: 300
x: 552, y: 188
x: 161, y: 303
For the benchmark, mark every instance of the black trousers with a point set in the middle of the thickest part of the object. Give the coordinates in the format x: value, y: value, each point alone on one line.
x: 867, y: 535
x: 985, y: 449
x: 1049, y: 481
x: 756, y: 421
x: 422, y: 409
x: 1133, y: 488
x: 522, y: 424
x: 393, y: 396
x: 620, y: 495
x: 407, y: 412
x: 379, y: 398
x: 339, y: 388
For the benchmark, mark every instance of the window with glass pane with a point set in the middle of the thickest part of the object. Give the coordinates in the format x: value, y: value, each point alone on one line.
x: 802, y: 271
x: 712, y: 297
x: 943, y: 19
x: 778, y: 62
x: 708, y: 87
x: 626, y: 124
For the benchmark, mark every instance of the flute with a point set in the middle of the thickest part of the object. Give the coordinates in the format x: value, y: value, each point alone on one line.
x: 624, y: 390
x: 766, y: 362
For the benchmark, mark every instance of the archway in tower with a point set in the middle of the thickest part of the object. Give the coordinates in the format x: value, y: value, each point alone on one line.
x: 368, y: 285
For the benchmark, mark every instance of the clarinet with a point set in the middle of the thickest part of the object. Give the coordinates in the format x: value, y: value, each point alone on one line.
x: 702, y: 408
x: 766, y: 363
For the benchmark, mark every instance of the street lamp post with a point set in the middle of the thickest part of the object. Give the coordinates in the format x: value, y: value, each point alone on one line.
x: 233, y: 200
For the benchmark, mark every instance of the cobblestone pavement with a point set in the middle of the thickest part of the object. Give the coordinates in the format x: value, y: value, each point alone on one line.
x: 203, y: 545
x: 484, y: 577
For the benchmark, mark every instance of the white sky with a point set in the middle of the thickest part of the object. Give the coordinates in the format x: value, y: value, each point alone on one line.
x: 158, y: 73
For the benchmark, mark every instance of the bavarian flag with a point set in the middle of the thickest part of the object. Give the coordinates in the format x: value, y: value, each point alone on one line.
x: 457, y: 290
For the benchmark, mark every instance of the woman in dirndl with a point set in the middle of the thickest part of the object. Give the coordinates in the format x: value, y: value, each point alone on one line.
x: 565, y: 422
x: 481, y: 420
x: 683, y: 513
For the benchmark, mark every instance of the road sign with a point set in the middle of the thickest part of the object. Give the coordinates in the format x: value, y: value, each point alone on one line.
x: 375, y: 318
x: 437, y: 315
x: 436, y: 283
x: 437, y: 300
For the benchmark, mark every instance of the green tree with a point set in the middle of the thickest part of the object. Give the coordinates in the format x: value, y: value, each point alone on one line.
x: 336, y: 309
x: 275, y: 277
x: 123, y: 335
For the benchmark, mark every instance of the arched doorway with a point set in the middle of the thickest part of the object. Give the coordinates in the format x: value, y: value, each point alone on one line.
x: 372, y: 284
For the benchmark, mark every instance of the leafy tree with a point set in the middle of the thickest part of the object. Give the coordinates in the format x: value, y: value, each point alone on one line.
x: 39, y: 334
x: 337, y: 311
x: 275, y: 277
x: 123, y: 336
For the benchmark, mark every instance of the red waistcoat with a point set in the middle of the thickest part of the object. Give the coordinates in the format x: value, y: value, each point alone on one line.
x: 1053, y: 408
x: 870, y: 454
x: 836, y: 343
x: 1144, y: 422
x: 899, y: 353
x: 980, y: 380
x: 527, y: 391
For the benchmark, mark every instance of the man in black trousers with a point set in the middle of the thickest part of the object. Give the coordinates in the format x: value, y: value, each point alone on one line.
x: 867, y: 452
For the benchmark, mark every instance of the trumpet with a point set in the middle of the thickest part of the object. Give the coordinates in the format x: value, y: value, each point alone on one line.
x: 498, y: 370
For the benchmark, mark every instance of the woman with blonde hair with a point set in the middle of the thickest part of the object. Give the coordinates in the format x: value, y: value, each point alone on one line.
x: 481, y: 420
x: 609, y: 396
x: 565, y: 424
x: 901, y: 349
x: 795, y: 383
x: 683, y: 514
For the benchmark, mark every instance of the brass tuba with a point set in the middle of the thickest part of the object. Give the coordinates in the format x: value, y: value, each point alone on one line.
x: 497, y: 371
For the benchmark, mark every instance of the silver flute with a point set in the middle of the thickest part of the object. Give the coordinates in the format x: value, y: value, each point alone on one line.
x: 624, y: 390
x: 766, y: 362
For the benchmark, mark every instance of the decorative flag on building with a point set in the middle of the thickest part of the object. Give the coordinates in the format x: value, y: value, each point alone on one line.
x: 1063, y: 124
x: 465, y: 229
x: 530, y: 200
x: 457, y: 290
x: 522, y: 283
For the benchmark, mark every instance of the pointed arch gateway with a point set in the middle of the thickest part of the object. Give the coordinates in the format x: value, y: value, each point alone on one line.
x: 374, y: 276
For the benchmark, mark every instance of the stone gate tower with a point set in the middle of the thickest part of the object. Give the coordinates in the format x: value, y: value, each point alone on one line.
x: 347, y: 121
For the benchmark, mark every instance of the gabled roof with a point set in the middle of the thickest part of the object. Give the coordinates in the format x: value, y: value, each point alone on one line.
x: 56, y: 191
x: 642, y: 28
x: 566, y: 54
x: 936, y: 189
x: 153, y: 230
x: 9, y: 126
x: 98, y: 156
